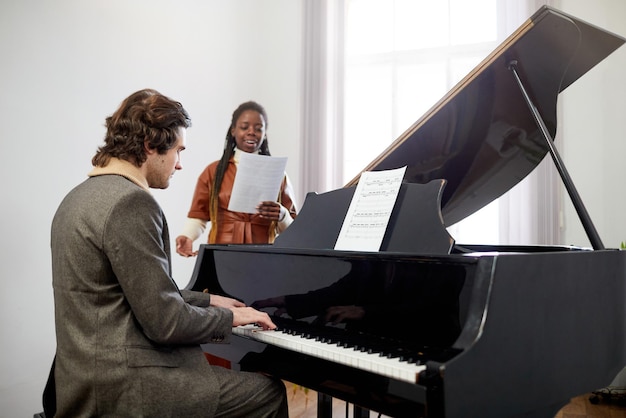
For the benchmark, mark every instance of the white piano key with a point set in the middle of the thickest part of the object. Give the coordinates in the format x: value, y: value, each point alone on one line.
x: 374, y: 363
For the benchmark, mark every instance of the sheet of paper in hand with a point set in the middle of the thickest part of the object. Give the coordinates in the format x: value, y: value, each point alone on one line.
x: 258, y: 179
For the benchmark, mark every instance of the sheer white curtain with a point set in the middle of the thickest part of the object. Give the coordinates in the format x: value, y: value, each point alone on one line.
x: 322, y: 95
x: 338, y: 132
x: 530, y: 212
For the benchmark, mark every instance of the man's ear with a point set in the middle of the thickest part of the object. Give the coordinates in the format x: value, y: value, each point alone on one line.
x: 146, y: 147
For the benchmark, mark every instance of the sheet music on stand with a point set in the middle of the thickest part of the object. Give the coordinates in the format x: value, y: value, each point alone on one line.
x: 365, y: 223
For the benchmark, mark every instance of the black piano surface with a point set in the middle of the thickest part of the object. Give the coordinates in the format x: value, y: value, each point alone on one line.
x: 425, y: 326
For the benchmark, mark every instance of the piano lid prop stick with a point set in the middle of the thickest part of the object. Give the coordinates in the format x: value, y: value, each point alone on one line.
x: 590, y: 229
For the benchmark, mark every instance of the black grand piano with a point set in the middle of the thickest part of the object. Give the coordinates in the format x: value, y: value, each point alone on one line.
x: 427, y: 327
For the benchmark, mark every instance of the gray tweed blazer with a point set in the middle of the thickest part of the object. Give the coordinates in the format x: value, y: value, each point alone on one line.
x: 128, y: 340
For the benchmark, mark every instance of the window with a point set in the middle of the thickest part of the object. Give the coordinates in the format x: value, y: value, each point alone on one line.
x: 374, y: 67
x: 401, y: 57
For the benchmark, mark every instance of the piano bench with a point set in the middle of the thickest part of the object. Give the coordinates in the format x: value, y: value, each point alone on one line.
x: 216, y: 361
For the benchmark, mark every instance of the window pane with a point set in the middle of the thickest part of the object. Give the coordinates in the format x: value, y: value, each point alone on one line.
x: 420, y: 86
x: 479, y: 228
x: 402, y: 57
x: 369, y: 27
x: 472, y: 21
x: 368, y: 116
x: 420, y: 24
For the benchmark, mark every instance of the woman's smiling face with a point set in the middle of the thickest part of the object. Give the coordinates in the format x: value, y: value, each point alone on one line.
x: 249, y: 131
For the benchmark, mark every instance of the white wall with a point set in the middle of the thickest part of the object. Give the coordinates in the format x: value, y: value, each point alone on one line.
x: 65, y: 66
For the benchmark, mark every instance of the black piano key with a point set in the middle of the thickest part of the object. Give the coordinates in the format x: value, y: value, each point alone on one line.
x: 348, y: 339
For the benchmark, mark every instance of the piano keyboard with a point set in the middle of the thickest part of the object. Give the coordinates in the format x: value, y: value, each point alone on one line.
x: 371, y: 362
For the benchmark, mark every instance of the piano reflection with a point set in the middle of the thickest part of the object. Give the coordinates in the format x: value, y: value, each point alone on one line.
x: 427, y: 327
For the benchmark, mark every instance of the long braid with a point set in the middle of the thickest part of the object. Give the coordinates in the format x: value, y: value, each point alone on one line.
x: 229, y: 149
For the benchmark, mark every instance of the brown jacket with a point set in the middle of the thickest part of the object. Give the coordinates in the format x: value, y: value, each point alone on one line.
x: 234, y: 227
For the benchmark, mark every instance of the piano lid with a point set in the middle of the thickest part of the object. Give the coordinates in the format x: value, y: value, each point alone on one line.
x: 481, y: 136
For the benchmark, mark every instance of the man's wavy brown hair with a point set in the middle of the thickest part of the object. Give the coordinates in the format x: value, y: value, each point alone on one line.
x: 144, y: 116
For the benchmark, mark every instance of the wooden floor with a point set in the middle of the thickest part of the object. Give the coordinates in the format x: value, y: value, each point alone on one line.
x: 606, y: 407
x: 303, y: 404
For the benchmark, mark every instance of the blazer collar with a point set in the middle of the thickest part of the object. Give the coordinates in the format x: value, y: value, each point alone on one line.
x: 122, y: 168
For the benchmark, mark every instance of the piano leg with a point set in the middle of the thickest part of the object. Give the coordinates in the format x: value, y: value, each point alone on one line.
x: 324, y: 406
x: 360, y: 412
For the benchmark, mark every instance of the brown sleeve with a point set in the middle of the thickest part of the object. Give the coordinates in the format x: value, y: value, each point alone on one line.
x: 202, y: 194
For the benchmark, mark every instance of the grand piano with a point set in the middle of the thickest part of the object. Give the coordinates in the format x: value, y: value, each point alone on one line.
x: 427, y: 327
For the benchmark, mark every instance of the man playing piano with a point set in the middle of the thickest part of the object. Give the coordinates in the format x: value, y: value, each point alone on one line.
x: 128, y: 340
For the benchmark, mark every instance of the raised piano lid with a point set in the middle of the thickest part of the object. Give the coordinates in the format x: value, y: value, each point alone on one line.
x: 481, y: 137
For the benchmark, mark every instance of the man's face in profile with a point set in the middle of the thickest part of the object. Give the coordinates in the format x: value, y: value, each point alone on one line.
x: 161, y: 167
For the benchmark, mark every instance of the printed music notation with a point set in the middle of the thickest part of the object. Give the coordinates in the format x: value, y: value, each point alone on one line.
x: 365, y: 223
x: 258, y: 179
